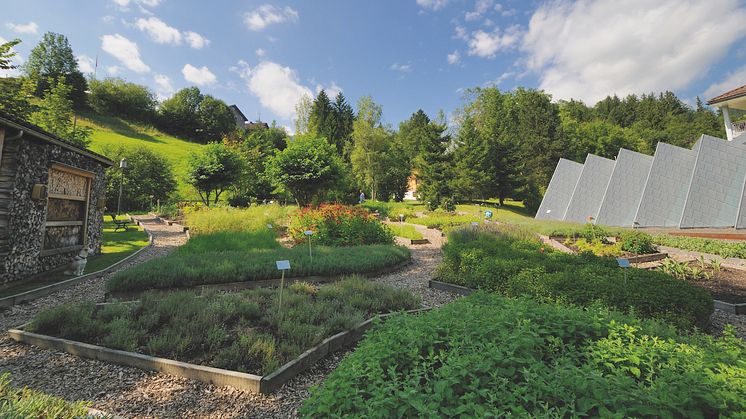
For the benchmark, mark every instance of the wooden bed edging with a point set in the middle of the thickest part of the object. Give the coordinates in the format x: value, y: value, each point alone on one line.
x: 52, y: 288
x: 733, y: 308
x: 210, y: 375
x: 444, y: 286
x: 242, y: 285
x: 419, y: 241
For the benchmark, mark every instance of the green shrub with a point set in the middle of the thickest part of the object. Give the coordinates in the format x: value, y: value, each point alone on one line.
x: 637, y: 242
x: 489, y: 356
x: 722, y: 248
x: 27, y: 403
x: 243, y: 332
x: 496, y: 261
x: 338, y: 225
x: 226, y: 219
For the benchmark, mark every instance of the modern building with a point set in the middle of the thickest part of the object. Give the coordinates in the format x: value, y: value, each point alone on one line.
x: 676, y: 187
x: 52, y: 199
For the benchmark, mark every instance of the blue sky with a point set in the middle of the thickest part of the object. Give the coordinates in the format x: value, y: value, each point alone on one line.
x: 407, y: 54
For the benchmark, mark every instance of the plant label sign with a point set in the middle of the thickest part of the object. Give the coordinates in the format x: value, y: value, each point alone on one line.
x: 283, y: 265
x: 623, y: 263
x: 269, y: 226
x: 488, y: 214
x: 308, y: 232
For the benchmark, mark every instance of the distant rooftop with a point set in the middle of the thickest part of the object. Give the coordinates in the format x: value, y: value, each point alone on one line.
x: 732, y: 94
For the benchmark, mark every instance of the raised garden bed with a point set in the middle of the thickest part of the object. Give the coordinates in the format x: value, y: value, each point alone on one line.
x: 236, y: 340
x: 727, y: 285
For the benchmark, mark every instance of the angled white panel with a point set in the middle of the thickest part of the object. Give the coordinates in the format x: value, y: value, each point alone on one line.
x: 558, y: 194
x: 589, y: 191
x: 663, y: 199
x: 625, y: 188
x: 717, y: 184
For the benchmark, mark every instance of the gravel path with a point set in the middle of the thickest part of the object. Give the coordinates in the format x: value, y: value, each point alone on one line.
x: 131, y: 392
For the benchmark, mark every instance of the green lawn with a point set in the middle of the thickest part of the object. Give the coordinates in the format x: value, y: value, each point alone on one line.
x: 109, y: 131
x: 116, y: 246
x: 406, y: 231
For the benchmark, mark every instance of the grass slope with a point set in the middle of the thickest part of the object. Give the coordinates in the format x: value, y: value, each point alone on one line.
x: 110, y: 131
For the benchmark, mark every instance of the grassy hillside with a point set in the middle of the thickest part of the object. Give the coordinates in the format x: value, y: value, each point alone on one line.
x: 109, y: 131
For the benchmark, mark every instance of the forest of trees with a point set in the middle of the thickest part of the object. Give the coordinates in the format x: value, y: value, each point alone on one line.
x: 498, y: 144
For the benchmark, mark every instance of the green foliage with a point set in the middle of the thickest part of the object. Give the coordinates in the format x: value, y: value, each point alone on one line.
x: 256, y: 147
x: 682, y: 270
x: 147, y: 178
x: 306, y: 167
x: 442, y: 219
x: 27, y: 403
x: 489, y: 356
x: 56, y: 113
x: 227, y: 219
x: 722, y: 248
x: 433, y: 162
x: 7, y: 53
x: 51, y: 60
x: 338, y: 225
x: 213, y: 171
x: 215, y: 119
x: 242, y: 331
x: 406, y: 231
x: 190, y: 114
x: 15, y: 96
x: 637, y: 242
x: 392, y: 210
x: 513, y: 267
x: 332, y: 121
x: 597, y: 247
x: 114, y: 96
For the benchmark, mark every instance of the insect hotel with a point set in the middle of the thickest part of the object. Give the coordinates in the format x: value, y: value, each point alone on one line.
x: 51, y: 200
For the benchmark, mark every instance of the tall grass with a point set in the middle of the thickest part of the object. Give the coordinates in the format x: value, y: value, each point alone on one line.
x: 244, y: 331
x: 228, y: 219
x: 27, y: 403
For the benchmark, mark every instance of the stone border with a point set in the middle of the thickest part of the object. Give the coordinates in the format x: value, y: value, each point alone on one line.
x: 210, y: 375
x: 444, y: 286
x: 57, y: 286
x: 419, y: 241
x: 737, y: 308
x: 650, y: 257
x: 183, y: 228
x: 243, y: 285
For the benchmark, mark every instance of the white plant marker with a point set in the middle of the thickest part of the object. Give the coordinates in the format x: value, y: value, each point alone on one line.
x: 309, y: 233
x: 282, y: 265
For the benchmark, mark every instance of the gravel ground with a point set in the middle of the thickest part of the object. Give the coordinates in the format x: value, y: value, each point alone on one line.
x: 131, y: 392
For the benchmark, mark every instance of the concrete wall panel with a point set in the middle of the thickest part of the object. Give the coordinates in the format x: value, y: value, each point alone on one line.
x: 717, y: 184
x: 625, y: 188
x: 663, y: 199
x: 589, y: 191
x: 559, y: 191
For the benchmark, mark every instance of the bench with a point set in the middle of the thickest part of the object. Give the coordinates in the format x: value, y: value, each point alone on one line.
x: 120, y: 224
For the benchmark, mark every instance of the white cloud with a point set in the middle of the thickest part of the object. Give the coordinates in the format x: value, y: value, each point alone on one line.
x: 260, y: 52
x: 276, y: 86
x: 461, y: 33
x: 149, y: 3
x: 113, y: 70
x: 454, y: 57
x: 125, y: 3
x: 86, y: 64
x: 268, y: 14
x: 735, y: 79
x: 125, y: 51
x: 159, y: 31
x: 487, y: 44
x: 403, y: 68
x: 122, y: 3
x: 480, y: 7
x: 164, y: 87
x: 29, y: 28
x: 502, y: 78
x: 588, y: 50
x: 196, y: 40
x: 432, y: 4
x: 107, y: 19
x: 200, y: 76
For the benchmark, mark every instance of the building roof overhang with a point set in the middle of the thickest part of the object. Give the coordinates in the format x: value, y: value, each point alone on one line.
x: 735, y: 99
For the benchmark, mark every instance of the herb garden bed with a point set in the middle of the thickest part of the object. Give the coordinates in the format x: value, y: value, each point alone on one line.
x: 724, y: 284
x: 236, y: 340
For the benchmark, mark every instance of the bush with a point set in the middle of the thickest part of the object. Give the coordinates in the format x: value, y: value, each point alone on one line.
x: 114, y: 96
x: 489, y: 356
x: 240, y: 331
x: 637, y: 242
x: 716, y: 247
x: 515, y: 266
x: 27, y: 403
x: 147, y: 178
x: 339, y: 225
x: 205, y: 220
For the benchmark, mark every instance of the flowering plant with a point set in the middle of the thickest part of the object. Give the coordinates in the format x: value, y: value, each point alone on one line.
x: 338, y: 225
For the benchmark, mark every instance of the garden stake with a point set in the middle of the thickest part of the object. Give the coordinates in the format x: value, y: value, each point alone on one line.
x: 282, y: 282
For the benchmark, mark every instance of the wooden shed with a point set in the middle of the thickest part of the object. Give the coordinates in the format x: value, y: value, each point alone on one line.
x: 51, y: 199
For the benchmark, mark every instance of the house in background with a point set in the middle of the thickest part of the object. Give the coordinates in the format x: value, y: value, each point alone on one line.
x: 243, y: 123
x: 734, y: 99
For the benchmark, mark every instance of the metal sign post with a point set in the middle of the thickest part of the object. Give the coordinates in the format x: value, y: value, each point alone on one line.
x: 282, y: 265
x: 309, y: 233
x: 401, y: 223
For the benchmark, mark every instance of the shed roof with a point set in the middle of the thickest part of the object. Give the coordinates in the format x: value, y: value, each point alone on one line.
x: 731, y: 94
x: 37, y: 132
